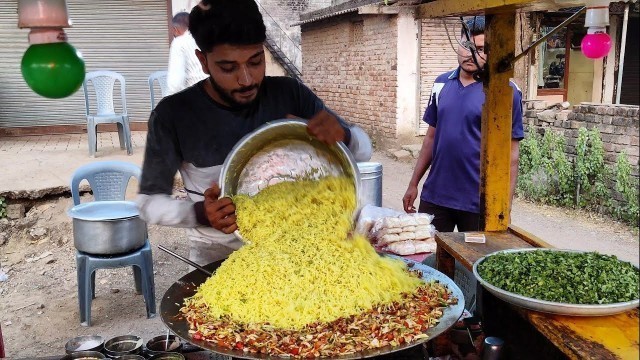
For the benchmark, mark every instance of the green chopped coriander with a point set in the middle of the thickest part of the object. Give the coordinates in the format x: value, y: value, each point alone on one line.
x: 562, y: 276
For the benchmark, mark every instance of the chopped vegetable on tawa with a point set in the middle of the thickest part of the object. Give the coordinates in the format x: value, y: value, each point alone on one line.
x: 562, y: 276
x: 302, y: 287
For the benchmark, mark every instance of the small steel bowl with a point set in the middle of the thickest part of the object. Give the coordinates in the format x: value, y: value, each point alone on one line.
x: 131, y: 357
x: 159, y: 345
x: 84, y: 343
x: 84, y: 355
x: 167, y: 356
x: 123, y: 345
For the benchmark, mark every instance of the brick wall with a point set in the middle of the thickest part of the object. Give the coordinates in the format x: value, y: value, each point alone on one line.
x: 618, y: 125
x: 287, y: 12
x: 350, y: 62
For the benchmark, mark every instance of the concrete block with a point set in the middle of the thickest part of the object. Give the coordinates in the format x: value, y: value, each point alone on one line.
x: 601, y: 110
x: 414, y: 149
x: 631, y: 130
x: 606, y: 129
x: 547, y: 115
x: 621, y: 111
x: 611, y: 110
x: 619, y: 121
x: 607, y: 120
x: 402, y: 155
x: 633, y: 112
x: 590, y: 117
x: 635, y: 141
x: 563, y: 115
x: 15, y: 211
x: 540, y: 105
x: 623, y: 140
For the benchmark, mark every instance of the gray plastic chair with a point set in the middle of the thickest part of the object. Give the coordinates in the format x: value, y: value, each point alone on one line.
x: 161, y: 78
x: 108, y: 181
x: 103, y: 83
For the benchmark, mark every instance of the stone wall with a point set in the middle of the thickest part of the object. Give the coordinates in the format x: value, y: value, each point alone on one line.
x: 619, y: 125
x: 350, y: 61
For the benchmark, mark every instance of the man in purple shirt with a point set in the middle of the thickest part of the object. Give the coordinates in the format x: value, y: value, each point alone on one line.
x: 451, y: 147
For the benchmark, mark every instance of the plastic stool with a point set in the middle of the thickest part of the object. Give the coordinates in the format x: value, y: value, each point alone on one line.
x: 142, y: 264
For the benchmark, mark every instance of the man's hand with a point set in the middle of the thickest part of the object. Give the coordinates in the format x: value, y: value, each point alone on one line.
x: 409, y: 198
x: 326, y: 128
x: 221, y: 213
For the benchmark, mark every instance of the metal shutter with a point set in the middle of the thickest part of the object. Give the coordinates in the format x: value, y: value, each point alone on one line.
x: 129, y: 37
x: 436, y: 58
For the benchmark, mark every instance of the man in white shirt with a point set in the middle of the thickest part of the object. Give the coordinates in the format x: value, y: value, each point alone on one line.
x: 184, y: 66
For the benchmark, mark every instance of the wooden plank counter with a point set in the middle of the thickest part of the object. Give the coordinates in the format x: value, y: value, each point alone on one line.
x: 591, y: 337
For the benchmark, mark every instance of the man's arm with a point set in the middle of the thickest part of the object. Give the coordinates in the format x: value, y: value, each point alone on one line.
x: 423, y: 163
x: 176, y: 71
x: 161, y: 162
x: 515, y: 160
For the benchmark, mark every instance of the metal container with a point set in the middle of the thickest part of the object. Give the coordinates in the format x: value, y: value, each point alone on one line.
x: 167, y: 356
x: 371, y: 178
x: 123, y: 345
x: 492, y: 348
x: 131, y: 357
x: 550, y: 307
x: 160, y: 345
x: 282, y: 150
x: 107, y: 227
x: 84, y: 355
x: 84, y: 343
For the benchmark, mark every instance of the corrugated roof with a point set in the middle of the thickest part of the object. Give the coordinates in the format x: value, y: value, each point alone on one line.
x: 331, y: 11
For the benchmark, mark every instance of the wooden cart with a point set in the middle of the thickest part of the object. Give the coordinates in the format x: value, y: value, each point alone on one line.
x: 528, y: 334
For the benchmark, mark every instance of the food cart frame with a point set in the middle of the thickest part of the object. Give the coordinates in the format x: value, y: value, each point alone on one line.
x: 529, y: 334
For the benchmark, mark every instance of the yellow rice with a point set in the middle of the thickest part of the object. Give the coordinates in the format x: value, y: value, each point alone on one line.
x: 299, y: 266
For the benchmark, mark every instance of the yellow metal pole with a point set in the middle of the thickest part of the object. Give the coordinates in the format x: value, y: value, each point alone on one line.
x: 442, y: 8
x: 495, y: 158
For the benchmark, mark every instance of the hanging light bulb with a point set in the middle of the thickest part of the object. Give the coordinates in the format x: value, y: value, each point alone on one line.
x: 597, y: 43
x: 51, y: 67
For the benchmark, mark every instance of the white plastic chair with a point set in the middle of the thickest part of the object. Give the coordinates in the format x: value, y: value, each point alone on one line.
x: 103, y: 82
x: 161, y: 78
x: 109, y: 180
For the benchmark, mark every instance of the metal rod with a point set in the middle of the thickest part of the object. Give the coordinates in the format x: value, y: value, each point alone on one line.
x: 185, y: 260
x: 623, y: 49
x: 553, y: 31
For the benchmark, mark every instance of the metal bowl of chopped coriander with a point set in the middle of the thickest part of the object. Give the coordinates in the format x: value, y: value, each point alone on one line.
x: 565, y: 282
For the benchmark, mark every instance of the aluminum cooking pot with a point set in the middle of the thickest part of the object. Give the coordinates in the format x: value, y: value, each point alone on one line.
x: 107, y: 227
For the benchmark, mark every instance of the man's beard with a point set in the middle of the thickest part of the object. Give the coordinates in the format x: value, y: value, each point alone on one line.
x: 227, y: 96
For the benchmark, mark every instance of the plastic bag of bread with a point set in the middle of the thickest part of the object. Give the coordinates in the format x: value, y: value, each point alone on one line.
x: 368, y: 216
x: 411, y: 247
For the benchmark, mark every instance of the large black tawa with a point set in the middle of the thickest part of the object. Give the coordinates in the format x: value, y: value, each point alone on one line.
x: 187, y: 285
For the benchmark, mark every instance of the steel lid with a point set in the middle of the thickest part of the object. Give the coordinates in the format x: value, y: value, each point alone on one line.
x: 104, y: 210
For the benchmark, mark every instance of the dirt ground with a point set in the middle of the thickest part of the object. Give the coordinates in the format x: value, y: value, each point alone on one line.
x: 39, y: 306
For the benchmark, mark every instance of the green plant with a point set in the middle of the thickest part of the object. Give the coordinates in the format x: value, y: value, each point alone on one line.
x: 546, y: 174
x: 627, y: 186
x: 3, y: 207
x: 590, y: 171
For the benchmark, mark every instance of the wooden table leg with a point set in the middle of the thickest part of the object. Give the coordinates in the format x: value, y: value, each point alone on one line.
x: 446, y: 264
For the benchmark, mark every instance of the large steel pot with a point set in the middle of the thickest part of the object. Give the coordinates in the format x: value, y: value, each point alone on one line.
x: 107, y: 227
